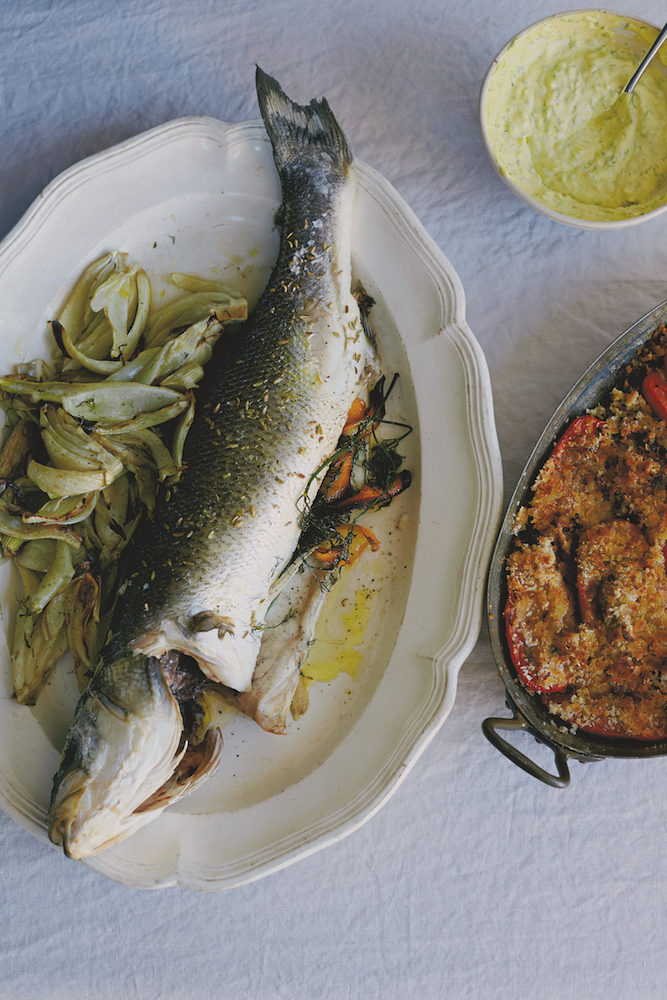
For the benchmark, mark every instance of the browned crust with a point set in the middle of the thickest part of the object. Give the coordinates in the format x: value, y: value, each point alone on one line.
x: 587, y: 576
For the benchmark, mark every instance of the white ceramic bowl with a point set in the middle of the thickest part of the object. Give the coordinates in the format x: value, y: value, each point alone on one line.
x: 487, y: 131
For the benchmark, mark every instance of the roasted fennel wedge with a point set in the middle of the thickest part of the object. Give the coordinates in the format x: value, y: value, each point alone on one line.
x: 89, y: 438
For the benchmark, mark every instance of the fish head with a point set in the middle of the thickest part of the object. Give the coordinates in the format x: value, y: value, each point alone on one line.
x: 122, y: 746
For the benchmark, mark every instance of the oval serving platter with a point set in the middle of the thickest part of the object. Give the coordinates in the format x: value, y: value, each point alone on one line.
x: 199, y: 196
x: 530, y: 714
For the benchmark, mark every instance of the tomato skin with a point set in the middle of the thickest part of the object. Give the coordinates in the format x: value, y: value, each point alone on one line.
x: 608, y: 729
x: 520, y: 660
x: 654, y: 391
x: 580, y: 427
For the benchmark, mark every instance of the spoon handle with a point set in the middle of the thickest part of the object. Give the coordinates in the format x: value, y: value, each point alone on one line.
x: 645, y: 61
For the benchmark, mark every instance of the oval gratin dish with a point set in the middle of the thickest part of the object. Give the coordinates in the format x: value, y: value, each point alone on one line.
x: 529, y: 713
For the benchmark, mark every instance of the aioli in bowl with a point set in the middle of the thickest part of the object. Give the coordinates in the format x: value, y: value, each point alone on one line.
x: 558, y: 128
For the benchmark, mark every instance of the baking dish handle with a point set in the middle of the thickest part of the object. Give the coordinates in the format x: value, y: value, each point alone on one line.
x: 490, y: 729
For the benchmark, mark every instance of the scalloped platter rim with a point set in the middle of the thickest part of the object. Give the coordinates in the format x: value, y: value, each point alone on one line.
x: 199, y: 195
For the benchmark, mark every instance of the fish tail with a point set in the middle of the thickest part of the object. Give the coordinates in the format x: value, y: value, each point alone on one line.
x: 299, y: 133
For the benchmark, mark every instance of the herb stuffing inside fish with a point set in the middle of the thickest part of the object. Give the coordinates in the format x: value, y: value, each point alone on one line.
x: 269, y: 413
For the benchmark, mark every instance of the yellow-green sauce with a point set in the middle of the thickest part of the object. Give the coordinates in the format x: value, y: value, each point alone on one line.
x: 337, y: 646
x: 559, y: 128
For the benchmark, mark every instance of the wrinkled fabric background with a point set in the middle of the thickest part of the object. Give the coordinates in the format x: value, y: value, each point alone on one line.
x: 474, y: 880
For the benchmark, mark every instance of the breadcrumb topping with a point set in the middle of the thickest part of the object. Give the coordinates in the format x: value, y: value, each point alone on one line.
x: 587, y: 587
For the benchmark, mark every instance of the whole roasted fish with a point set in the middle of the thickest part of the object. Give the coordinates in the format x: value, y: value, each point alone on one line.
x: 269, y: 413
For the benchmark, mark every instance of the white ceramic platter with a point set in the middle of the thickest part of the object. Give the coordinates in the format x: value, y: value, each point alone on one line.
x: 199, y: 196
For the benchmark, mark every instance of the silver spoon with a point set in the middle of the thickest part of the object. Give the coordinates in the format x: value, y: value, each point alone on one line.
x: 645, y: 61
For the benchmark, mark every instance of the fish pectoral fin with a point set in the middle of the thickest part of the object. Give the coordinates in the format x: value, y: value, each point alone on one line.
x: 206, y: 621
x: 197, y: 762
x: 117, y: 711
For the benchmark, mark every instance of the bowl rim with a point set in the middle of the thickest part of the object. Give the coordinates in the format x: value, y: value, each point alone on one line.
x: 550, y: 213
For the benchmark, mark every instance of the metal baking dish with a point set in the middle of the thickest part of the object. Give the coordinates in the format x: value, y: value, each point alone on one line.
x: 529, y: 713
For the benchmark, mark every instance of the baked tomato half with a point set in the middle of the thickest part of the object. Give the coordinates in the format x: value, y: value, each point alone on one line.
x: 654, y: 391
x: 582, y: 430
x: 607, y: 727
x: 567, y: 493
x: 539, y: 616
x: 610, y: 558
x: 536, y: 675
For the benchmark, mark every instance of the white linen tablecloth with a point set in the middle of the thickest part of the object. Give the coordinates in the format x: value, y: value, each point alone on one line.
x: 474, y: 880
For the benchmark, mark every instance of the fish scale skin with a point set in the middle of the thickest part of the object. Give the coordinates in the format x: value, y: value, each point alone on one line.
x: 266, y: 419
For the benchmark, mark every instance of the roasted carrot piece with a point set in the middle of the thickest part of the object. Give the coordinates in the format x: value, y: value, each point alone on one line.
x: 355, y: 416
x: 337, y: 478
x: 329, y: 554
x: 370, y: 495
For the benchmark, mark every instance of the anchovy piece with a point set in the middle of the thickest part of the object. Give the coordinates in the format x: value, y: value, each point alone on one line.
x: 269, y: 412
